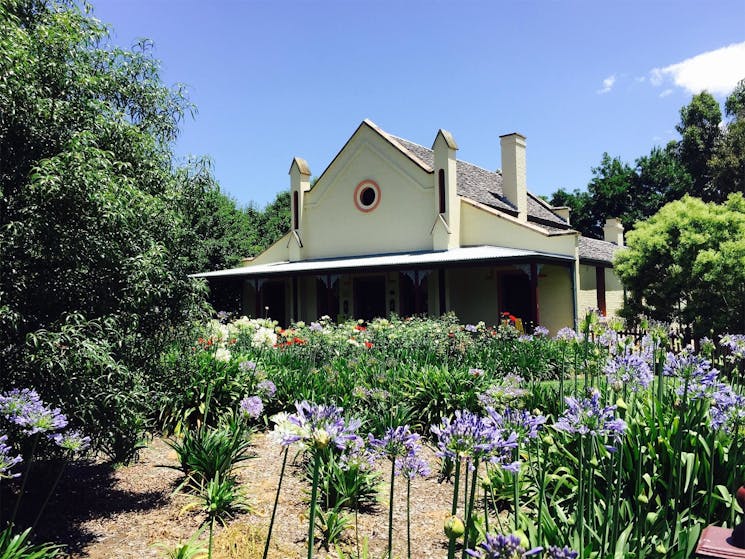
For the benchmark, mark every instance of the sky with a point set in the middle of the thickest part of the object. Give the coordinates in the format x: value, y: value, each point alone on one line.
x: 277, y: 79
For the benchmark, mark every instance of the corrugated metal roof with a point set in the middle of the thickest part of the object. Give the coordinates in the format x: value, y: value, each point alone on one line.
x: 422, y: 258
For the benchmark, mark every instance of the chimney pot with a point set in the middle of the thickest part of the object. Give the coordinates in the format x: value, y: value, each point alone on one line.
x: 514, y: 174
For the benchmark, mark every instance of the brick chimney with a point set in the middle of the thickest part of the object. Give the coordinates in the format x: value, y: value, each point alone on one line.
x: 514, y: 177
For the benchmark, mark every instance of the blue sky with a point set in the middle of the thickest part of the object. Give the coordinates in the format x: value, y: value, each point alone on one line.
x: 276, y: 79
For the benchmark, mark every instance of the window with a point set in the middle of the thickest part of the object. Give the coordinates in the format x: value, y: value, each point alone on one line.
x: 295, y: 213
x: 367, y: 196
x: 442, y: 190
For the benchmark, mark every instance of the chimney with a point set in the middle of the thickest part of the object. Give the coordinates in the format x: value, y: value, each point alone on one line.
x: 446, y: 200
x: 514, y: 181
x: 299, y: 185
x: 563, y: 212
x: 613, y: 231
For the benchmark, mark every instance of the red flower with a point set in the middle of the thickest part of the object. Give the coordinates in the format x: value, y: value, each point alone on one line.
x: 368, y: 345
x: 298, y: 341
x: 360, y: 328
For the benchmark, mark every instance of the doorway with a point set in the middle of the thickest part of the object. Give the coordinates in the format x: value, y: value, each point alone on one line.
x: 369, y: 297
x: 516, y: 298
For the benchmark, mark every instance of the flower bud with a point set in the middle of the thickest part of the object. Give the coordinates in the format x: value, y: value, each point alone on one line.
x: 454, y: 527
x: 621, y: 405
x: 642, y: 498
x: 321, y: 438
x: 524, y: 541
x: 661, y: 549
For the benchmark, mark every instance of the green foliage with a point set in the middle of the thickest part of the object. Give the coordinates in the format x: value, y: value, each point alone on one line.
x: 209, y: 453
x: 699, y: 131
x: 17, y: 546
x: 687, y: 264
x: 351, y: 485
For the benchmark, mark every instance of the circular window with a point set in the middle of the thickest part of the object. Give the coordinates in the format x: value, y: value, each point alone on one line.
x: 367, y: 196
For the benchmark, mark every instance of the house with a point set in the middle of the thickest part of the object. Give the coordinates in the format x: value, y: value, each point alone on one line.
x: 394, y: 227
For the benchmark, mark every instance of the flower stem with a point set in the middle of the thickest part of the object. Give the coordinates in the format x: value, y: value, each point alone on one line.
x: 313, y: 499
x: 276, y: 501
x: 390, y: 509
x: 451, y: 543
x: 25, y: 479
x: 469, y: 514
x: 516, y: 489
x: 49, y: 496
x: 408, y: 517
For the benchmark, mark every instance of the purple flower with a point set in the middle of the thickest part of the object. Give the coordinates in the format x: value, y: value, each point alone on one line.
x: 247, y: 366
x: 74, y: 441
x: 502, y: 547
x: 540, y: 331
x: 319, y: 426
x: 525, y: 338
x: 727, y: 410
x: 735, y: 343
x: 629, y: 369
x: 316, y: 327
x: 7, y: 461
x: 251, y: 406
x: 588, y: 417
x: 566, y: 334
x: 694, y: 372
x: 267, y: 388
x: 520, y: 422
x: 13, y: 404
x: 554, y: 552
x: 470, y: 328
x: 471, y: 437
x: 25, y: 409
x: 404, y: 448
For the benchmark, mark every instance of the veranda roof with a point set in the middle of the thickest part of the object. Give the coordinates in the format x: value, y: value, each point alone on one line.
x: 465, y: 255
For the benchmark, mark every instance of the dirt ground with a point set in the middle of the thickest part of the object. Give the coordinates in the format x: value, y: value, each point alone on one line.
x: 130, y: 512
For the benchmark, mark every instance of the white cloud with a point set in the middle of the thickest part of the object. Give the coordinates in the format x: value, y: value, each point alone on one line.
x: 716, y: 71
x: 666, y: 93
x: 607, y: 84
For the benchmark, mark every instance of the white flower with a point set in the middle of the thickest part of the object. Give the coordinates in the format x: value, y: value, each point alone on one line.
x: 222, y: 354
x: 263, y: 337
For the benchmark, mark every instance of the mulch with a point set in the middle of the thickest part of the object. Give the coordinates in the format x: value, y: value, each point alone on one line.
x: 131, y: 512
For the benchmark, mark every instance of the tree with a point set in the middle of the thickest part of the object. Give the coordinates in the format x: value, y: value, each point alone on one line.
x: 581, y: 216
x: 727, y: 164
x: 94, y: 248
x: 699, y: 131
x: 687, y: 264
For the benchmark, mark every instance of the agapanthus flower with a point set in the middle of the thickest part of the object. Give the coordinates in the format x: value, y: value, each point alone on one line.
x: 7, y: 460
x: 39, y: 418
x: 589, y: 417
x: 471, y: 328
x: 540, y: 331
x: 609, y: 338
x: 247, y: 366
x: 512, y: 420
x: 266, y: 388
x: 727, y: 410
x: 695, y: 372
x: 505, y: 391
x: 222, y: 354
x: 500, y: 546
x: 319, y: 426
x: 15, y: 402
x: 525, y: 338
x: 472, y: 437
x: 555, y: 552
x: 404, y: 448
x: 315, y: 327
x: 566, y: 334
x: 74, y: 441
x: 735, y: 343
x: 251, y: 406
x: 628, y: 369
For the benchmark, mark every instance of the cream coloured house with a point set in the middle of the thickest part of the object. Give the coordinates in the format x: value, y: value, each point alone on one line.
x: 393, y: 227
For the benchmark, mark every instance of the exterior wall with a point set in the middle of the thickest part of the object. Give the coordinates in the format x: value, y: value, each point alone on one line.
x: 403, y: 219
x: 276, y: 253
x: 613, y: 292
x: 482, y: 227
x: 588, y: 296
x: 307, y: 295
x: 473, y: 294
x: 555, y: 304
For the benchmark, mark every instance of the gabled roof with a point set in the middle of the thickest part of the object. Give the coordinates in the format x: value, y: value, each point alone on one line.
x: 485, y: 187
